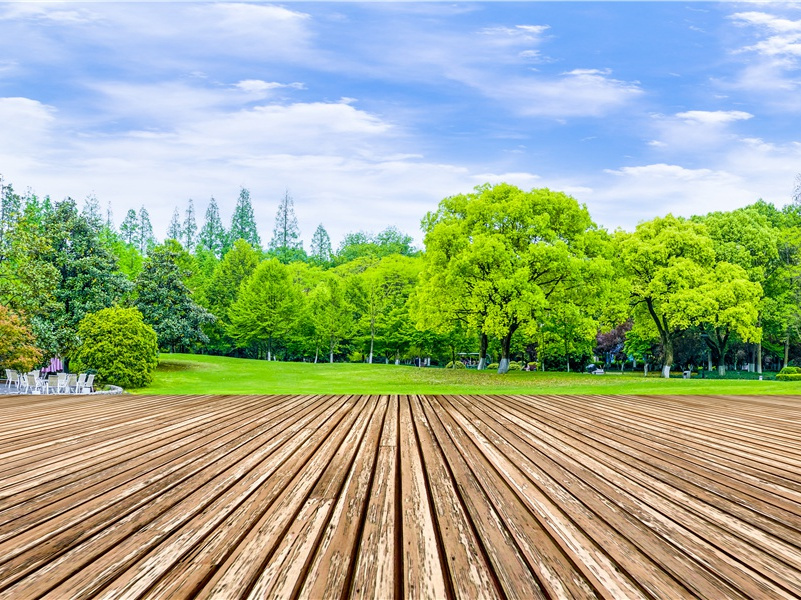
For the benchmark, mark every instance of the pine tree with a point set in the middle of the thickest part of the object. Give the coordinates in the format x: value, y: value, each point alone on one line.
x: 146, y: 240
x: 321, y: 252
x: 212, y: 236
x: 91, y: 211
x: 10, y: 212
x: 109, y: 217
x: 243, y: 223
x: 174, y: 231
x: 286, y: 234
x: 129, y: 229
x: 190, y: 228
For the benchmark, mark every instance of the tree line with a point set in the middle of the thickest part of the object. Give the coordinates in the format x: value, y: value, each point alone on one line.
x: 506, y: 275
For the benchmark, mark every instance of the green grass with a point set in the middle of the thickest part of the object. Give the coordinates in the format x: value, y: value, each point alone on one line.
x: 200, y: 374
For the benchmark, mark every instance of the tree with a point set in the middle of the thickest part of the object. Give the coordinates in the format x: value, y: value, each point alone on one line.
x: 320, y: 251
x: 243, y: 223
x: 88, y: 279
x: 501, y: 254
x: 332, y: 314
x: 165, y: 301
x: 189, y: 230
x: 265, y: 309
x: 360, y: 245
x: 91, y: 211
x: 286, y: 243
x: 174, y: 231
x: 109, y: 217
x: 10, y: 213
x: 145, y: 238
x: 213, y: 236
x: 223, y: 287
x: 119, y: 346
x: 667, y: 261
x: 129, y: 228
x: 18, y: 349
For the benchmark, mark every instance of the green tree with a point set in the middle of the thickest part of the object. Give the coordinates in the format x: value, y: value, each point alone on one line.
x: 286, y: 244
x: 243, y: 223
x: 18, y: 349
x: 129, y: 228
x: 166, y: 302
x: 88, y: 279
x: 213, y: 236
x: 91, y: 211
x: 364, y: 245
x: 223, y: 287
x: 667, y: 260
x: 320, y: 252
x: 332, y: 314
x: 174, y: 231
x: 501, y: 254
x: 189, y: 229
x: 119, y: 345
x: 145, y: 239
x: 266, y: 309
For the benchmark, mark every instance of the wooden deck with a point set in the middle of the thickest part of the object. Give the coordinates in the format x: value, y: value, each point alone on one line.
x: 410, y: 496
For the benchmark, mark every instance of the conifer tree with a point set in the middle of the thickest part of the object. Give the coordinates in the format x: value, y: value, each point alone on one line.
x: 145, y: 240
x: 109, y: 217
x: 174, y: 231
x: 286, y: 234
x: 321, y: 252
x: 189, y: 232
x: 129, y: 229
x: 91, y: 210
x: 212, y: 236
x: 243, y: 223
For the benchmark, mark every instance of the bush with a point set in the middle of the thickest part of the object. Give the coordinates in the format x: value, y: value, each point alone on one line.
x: 455, y: 365
x: 533, y: 365
x: 356, y: 357
x: 492, y: 366
x: 789, y: 374
x: 515, y: 366
x: 119, y: 345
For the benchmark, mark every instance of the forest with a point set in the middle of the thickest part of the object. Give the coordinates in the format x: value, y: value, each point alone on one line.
x: 507, y: 279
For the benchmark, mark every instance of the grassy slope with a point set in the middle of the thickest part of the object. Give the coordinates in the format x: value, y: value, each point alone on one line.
x: 196, y: 374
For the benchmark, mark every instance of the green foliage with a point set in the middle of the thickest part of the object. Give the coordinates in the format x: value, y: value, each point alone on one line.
x: 213, y: 236
x: 166, y: 302
x: 320, y: 252
x: 492, y: 366
x: 243, y: 223
x: 515, y: 366
x: 18, y: 349
x: 365, y: 245
x: 286, y: 244
x: 266, y: 309
x: 788, y: 377
x: 119, y: 346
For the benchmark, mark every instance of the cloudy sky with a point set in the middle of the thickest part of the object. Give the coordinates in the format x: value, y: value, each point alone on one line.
x: 369, y: 114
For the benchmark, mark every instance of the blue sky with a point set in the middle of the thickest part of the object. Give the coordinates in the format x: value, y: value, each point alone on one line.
x: 370, y: 113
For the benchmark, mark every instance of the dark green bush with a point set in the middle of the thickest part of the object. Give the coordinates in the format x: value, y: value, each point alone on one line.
x: 119, y: 346
x: 790, y: 371
x: 788, y: 377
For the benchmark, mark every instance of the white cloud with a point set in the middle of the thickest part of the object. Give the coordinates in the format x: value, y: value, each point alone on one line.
x: 257, y: 85
x: 714, y: 117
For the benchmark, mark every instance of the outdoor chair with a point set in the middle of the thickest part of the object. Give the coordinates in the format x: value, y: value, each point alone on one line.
x: 81, y: 383
x: 12, y: 377
x: 62, y: 383
x: 90, y: 382
x: 52, y: 384
x: 72, y: 383
x: 30, y: 381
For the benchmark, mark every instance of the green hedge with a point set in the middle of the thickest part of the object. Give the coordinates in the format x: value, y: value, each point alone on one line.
x: 455, y: 365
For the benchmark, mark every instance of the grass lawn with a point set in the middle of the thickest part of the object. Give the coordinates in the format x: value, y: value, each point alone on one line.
x: 200, y: 374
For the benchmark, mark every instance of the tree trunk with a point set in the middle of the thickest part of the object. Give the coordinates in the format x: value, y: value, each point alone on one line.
x: 667, y: 347
x: 759, y: 358
x: 483, y: 343
x: 786, y: 348
x: 397, y: 357
x: 316, y: 353
x: 372, y: 339
x: 506, y: 343
x: 331, y: 351
x: 721, y: 368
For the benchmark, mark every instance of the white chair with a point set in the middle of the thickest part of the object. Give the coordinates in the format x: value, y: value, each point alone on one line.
x: 12, y: 377
x: 51, y: 385
x: 62, y: 383
x: 90, y: 382
x: 72, y: 383
x: 30, y: 383
x: 80, y: 385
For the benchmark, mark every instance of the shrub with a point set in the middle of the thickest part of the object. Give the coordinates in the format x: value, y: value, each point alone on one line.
x: 789, y: 374
x: 455, y: 365
x: 515, y: 366
x: 17, y: 348
x: 119, y: 345
x: 356, y: 357
x: 492, y: 366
